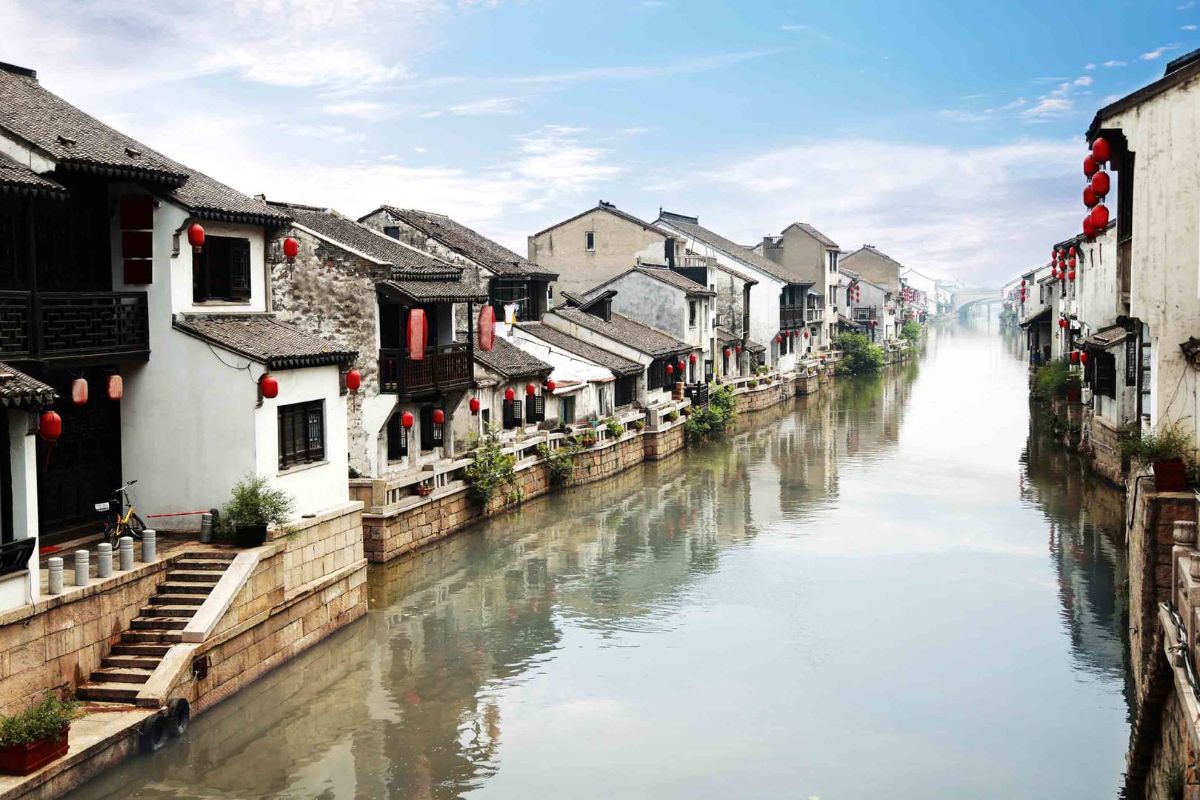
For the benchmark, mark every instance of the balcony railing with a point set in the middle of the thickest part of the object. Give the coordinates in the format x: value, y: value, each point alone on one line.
x: 866, y: 312
x: 791, y: 316
x: 444, y: 367
x: 45, y: 326
x: 814, y: 314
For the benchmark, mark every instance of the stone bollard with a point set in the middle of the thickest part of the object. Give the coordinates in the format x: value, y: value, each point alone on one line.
x: 1184, y: 533
x: 55, y: 566
x: 206, y: 525
x: 103, y: 560
x: 125, y: 551
x: 148, y: 545
x: 81, y: 568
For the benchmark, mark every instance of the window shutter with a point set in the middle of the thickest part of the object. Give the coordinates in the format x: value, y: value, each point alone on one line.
x: 1106, y: 374
x: 507, y: 420
x: 537, y: 408
x: 397, y: 438
x: 427, y: 428
x: 516, y: 413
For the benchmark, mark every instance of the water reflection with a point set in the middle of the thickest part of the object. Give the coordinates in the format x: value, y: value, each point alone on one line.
x: 850, y: 596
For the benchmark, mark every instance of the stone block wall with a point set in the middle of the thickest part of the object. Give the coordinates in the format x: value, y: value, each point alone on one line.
x: 761, y: 397
x: 607, y: 459
x: 1104, y: 442
x: 661, y: 443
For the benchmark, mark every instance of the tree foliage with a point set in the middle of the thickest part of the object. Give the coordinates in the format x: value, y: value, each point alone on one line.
x: 859, y: 355
x: 491, y: 468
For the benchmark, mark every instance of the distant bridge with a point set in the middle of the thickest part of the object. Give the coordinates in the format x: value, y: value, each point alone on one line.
x: 962, y: 301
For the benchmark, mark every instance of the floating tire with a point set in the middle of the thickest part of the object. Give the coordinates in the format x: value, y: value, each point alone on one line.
x: 179, y: 714
x: 153, y: 734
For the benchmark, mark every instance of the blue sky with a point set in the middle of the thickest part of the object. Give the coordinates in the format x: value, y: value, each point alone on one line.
x: 948, y: 134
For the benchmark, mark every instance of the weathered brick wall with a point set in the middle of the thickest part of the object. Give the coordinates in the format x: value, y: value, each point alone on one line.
x: 761, y: 397
x: 1104, y: 441
x: 657, y: 445
x: 1174, y: 753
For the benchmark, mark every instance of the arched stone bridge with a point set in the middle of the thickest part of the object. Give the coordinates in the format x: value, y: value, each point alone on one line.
x: 963, y: 300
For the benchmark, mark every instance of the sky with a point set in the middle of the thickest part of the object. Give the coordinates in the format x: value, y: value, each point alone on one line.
x: 948, y: 134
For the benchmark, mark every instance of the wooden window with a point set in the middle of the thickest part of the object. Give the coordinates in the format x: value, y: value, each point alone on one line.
x: 535, y: 409
x: 589, y: 241
x: 301, y: 433
x: 566, y: 410
x: 397, y: 438
x: 656, y: 374
x: 392, y: 231
x: 431, y: 434
x: 692, y: 313
x: 1106, y: 374
x: 137, y: 237
x: 626, y: 391
x: 510, y: 414
x: 221, y: 271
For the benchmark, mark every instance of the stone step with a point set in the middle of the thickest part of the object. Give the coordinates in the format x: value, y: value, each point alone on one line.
x: 185, y: 587
x: 220, y: 555
x: 211, y: 564
x: 151, y: 637
x: 132, y: 661
x: 136, y: 648
x: 178, y: 599
x: 109, y: 692
x: 169, y: 611
x: 159, y: 623
x: 193, y: 576
x: 121, y: 675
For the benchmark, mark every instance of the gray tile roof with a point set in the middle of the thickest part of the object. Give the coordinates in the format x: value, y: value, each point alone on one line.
x: 422, y: 291
x: 1107, y: 337
x: 469, y: 243
x: 619, y: 366
x: 690, y: 227
x: 263, y: 338
x: 76, y: 141
x: 405, y: 261
x: 510, y: 361
x: 816, y: 234
x: 18, y: 390
x: 15, y: 177
x: 624, y: 330
x: 673, y: 278
x: 608, y: 208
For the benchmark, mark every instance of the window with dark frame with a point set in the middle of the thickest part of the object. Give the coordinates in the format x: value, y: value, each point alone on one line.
x: 692, y: 313
x: 589, y: 241
x: 397, y: 438
x: 656, y: 374
x: 221, y: 271
x: 626, y: 391
x: 301, y: 433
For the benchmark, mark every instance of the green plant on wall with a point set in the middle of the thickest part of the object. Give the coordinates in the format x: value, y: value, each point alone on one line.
x: 911, y: 330
x: 560, y: 463
x: 859, y: 355
x: 710, y: 421
x: 1167, y: 443
x: 1051, y: 379
x: 46, y: 720
x: 253, y: 502
x: 614, y: 428
x: 491, y: 467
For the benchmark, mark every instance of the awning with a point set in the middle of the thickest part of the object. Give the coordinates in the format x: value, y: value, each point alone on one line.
x: 1041, y: 316
x: 1106, y: 338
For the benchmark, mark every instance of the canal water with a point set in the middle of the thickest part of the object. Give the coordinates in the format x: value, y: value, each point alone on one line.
x: 900, y: 588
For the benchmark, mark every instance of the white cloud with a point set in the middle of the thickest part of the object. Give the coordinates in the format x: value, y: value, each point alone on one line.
x: 479, y: 108
x: 1015, y: 104
x: 793, y: 27
x: 1189, y: 27
x: 1089, y: 65
x: 1114, y: 63
x: 369, y: 110
x: 1084, y: 80
x: 1157, y: 52
x: 640, y: 71
x: 956, y: 115
x: 328, y: 133
x: 555, y: 157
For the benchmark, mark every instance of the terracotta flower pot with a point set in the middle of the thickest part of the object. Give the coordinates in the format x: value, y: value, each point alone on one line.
x: 22, y: 759
x: 1170, y: 476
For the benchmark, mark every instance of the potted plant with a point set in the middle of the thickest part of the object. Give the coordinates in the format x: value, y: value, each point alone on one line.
x: 639, y: 424
x: 1074, y: 389
x: 1164, y: 450
x: 254, y: 507
x: 36, y: 736
x: 614, y: 427
x: 588, y: 439
x: 425, y: 488
x: 672, y: 416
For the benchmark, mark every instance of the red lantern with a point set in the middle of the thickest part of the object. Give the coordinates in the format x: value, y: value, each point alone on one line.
x: 551, y: 385
x: 1071, y: 275
x: 681, y: 367
x: 1090, y: 167
x: 406, y: 420
x: 196, y: 236
x: 291, y: 248
x: 1062, y: 323
x: 487, y: 328
x: 1101, y: 184
x: 1071, y: 252
x: 269, y: 386
x: 778, y: 338
x: 353, y: 380
x: 116, y: 387
x: 726, y: 352
x: 806, y: 333
x: 50, y: 426
x: 1071, y: 262
x: 530, y: 389
x: 509, y: 394
x: 1022, y: 281
x: 1089, y: 228
x: 1089, y: 196
x: 1101, y: 151
x: 739, y: 348
x: 439, y: 416
x: 418, y: 333
x: 670, y: 369
x: 1100, y: 218
x: 1074, y: 356
x: 474, y: 405
x: 1083, y: 357
x: 79, y: 391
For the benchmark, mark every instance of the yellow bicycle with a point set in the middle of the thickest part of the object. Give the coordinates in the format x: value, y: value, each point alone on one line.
x: 120, y: 518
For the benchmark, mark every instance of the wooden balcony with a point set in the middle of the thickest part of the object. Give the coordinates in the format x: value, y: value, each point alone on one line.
x: 814, y: 314
x: 791, y: 316
x: 443, y: 368
x: 60, y: 326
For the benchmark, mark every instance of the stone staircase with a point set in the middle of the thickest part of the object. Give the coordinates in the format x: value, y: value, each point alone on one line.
x: 133, y: 659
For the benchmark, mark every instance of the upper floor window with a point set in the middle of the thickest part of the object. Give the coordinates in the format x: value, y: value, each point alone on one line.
x: 392, y: 231
x: 301, y: 432
x: 221, y: 271
x: 692, y: 313
x: 589, y: 241
x: 833, y: 261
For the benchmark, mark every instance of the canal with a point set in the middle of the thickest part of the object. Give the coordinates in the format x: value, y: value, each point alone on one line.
x: 899, y: 588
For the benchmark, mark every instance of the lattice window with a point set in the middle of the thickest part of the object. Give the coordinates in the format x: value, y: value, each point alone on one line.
x: 301, y: 433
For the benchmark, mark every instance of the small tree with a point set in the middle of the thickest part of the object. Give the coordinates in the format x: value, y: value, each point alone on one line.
x: 491, y: 468
x: 859, y: 355
x: 253, y: 502
x: 911, y: 330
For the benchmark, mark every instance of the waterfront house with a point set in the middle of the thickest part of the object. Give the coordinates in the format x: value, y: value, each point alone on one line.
x: 513, y: 389
x: 870, y: 307
x: 1034, y: 313
x: 413, y: 313
x: 1154, y: 155
x: 22, y: 399
x: 807, y: 252
x: 778, y: 304
x: 517, y: 288
x: 598, y: 244
x: 137, y: 289
x: 584, y: 376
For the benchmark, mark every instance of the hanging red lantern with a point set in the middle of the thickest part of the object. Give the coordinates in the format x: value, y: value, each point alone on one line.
x: 530, y: 389
x: 739, y: 348
x: 670, y: 369
x: 291, y: 249
x: 1101, y: 151
x: 778, y: 338
x: 439, y: 416
x: 1089, y: 228
x: 1089, y: 196
x: 551, y: 385
x: 681, y: 367
x: 1022, y: 281
x: 1101, y: 184
x: 726, y: 352
x: 1071, y: 262
x: 806, y: 333
x: 487, y: 328
x: 116, y: 387
x: 1090, y: 167
x: 1099, y: 218
x: 1074, y: 356
x: 406, y: 420
x: 79, y: 391
x: 196, y: 236
x: 1071, y: 251
x: 1062, y: 323
x: 269, y: 386
x: 418, y: 333
x: 50, y: 426
x: 692, y: 358
x: 509, y: 394
x: 474, y: 405
x: 353, y: 380
x: 1071, y: 275
x: 1083, y: 357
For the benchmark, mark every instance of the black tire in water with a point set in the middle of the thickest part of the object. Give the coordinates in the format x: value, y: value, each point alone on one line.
x: 179, y: 714
x: 153, y: 734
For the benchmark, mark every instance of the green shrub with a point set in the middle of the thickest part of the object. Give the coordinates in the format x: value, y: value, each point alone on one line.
x: 859, y: 355
x: 614, y: 428
x: 1168, y: 443
x: 560, y: 463
x: 672, y: 416
x: 639, y: 424
x: 1051, y: 379
x: 707, y: 422
x: 43, y: 721
x: 911, y: 330
x: 254, y: 502
x: 491, y: 467
x: 752, y: 383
